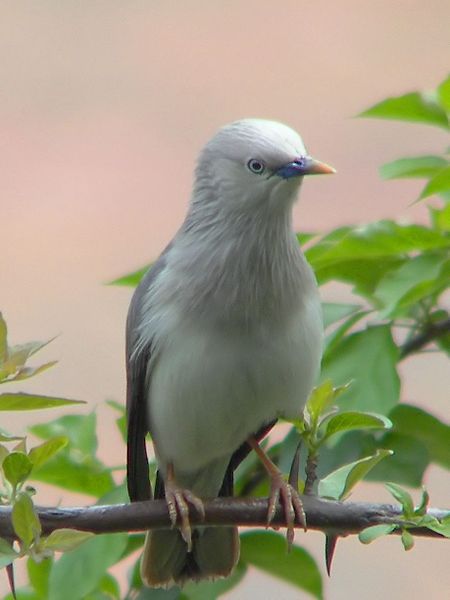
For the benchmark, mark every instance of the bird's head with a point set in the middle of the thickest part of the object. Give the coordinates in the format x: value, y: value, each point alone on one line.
x: 255, y: 162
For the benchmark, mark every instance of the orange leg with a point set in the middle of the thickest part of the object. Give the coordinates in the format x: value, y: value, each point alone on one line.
x: 177, y: 500
x: 280, y: 489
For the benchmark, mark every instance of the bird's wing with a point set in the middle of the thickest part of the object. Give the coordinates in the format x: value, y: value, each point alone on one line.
x: 137, y: 359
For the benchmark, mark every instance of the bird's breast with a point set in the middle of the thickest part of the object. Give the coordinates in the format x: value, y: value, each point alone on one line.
x: 212, y: 386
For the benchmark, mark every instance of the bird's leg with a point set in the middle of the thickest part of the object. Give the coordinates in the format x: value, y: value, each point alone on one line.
x: 280, y: 489
x: 177, y: 500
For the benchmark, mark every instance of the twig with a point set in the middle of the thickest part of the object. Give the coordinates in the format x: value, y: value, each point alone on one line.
x: 432, y: 331
x: 324, y: 515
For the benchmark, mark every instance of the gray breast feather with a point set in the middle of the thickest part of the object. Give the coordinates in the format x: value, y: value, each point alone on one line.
x: 210, y: 390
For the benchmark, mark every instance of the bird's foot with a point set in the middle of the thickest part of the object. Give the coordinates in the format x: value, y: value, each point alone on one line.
x: 284, y: 492
x: 281, y: 490
x: 178, y: 500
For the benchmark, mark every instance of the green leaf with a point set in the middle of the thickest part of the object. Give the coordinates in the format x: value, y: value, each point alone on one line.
x: 117, y: 495
x: 79, y: 429
x: 25, y: 520
x: 346, y: 421
x: 6, y: 549
x: 336, y: 336
x: 363, y: 255
x: 321, y: 399
x: 419, y: 277
x: 403, y: 497
x: 38, y: 574
x: 16, y: 467
x: 338, y: 484
x: 408, y: 463
x: 71, y: 472
x: 334, y: 311
x: 407, y: 540
x: 424, y: 502
x: 22, y: 401
x: 121, y: 422
x: 267, y: 551
x: 80, y: 571
x: 443, y: 343
x: 438, y: 184
x: 5, y: 561
x: 426, y: 428
x: 442, y: 526
x: 27, y: 372
x: 414, y: 166
x: 375, y: 240
x: 42, y: 453
x: 63, y: 540
x: 368, y: 357
x: 75, y: 466
x: 107, y: 588
x: 3, y: 340
x: 135, y: 542
x: 131, y: 279
x: 3, y: 453
x: 426, y: 291
x: 25, y: 593
x: 305, y: 237
x: 441, y: 217
x: 6, y: 437
x: 363, y: 274
x: 7, y: 553
x: 20, y: 353
x: 443, y: 93
x: 370, y: 534
x: 414, y: 107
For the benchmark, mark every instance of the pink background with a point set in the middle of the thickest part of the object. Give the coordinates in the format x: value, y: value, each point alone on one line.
x: 103, y: 108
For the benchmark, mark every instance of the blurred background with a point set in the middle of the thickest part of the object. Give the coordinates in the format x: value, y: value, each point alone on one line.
x: 104, y: 106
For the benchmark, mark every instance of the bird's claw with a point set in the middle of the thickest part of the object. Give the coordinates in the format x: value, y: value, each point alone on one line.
x: 178, y: 500
x: 291, y: 503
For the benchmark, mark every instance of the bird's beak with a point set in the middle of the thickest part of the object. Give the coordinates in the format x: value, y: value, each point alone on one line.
x: 304, y: 165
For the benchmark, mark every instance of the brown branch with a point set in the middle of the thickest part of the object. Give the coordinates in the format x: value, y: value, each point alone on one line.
x: 431, y: 331
x: 311, y: 472
x: 328, y: 516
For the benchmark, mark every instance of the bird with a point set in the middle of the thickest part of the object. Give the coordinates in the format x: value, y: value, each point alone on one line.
x: 224, y: 336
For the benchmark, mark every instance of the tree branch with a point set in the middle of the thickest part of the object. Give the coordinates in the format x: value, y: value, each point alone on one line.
x: 328, y: 516
x: 432, y: 331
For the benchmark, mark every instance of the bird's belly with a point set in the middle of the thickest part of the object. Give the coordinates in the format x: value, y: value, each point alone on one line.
x: 210, y: 391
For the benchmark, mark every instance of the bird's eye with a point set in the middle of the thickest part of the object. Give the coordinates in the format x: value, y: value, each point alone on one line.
x: 256, y: 166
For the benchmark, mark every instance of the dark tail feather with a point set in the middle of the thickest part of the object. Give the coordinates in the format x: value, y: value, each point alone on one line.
x: 166, y: 562
x: 215, y: 551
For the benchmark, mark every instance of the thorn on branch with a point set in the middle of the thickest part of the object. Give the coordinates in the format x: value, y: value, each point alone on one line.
x: 330, y: 547
x: 10, y: 574
x: 295, y: 466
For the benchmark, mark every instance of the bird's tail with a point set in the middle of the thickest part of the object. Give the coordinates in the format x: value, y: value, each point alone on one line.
x: 166, y: 561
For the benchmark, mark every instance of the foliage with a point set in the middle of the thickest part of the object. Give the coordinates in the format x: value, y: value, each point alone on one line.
x: 14, y: 367
x: 412, y: 517
x: 17, y: 464
x: 354, y: 428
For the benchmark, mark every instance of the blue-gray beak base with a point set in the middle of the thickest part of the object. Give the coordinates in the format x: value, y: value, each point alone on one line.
x: 304, y: 165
